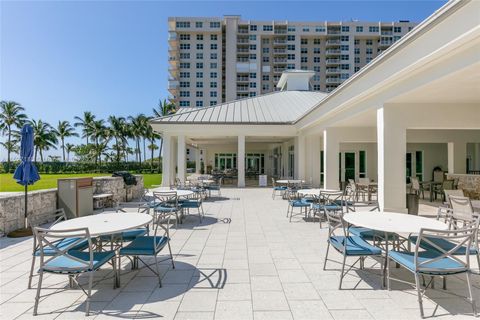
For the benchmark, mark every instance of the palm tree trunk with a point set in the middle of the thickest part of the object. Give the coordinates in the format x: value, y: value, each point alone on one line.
x: 35, y: 156
x: 160, y: 155
x: 41, y: 155
x: 63, y: 149
x: 9, y: 147
x: 151, y: 159
x: 144, y: 151
x: 118, y: 149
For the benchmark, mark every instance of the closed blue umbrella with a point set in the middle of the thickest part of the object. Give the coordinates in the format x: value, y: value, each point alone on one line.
x: 26, y: 173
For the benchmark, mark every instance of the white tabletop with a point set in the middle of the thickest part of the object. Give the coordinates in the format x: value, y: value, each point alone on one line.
x: 316, y: 191
x: 207, y: 181
x: 180, y: 193
x: 393, y: 222
x: 106, y: 223
x: 290, y: 181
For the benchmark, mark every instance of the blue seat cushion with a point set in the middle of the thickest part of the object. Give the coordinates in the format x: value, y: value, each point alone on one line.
x: 299, y: 203
x: 191, y: 204
x: 444, y: 244
x: 369, y: 234
x: 215, y: 188
x: 144, y: 246
x: 279, y: 188
x: 62, y: 245
x: 344, y: 203
x: 127, y: 235
x: 165, y: 209
x: 329, y: 207
x: 65, y: 264
x: 407, y: 259
x: 355, y: 246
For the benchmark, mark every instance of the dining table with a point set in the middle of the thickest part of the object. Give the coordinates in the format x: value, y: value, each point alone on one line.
x: 106, y: 224
x: 396, y: 223
x: 180, y: 192
x: 314, y: 191
x: 290, y: 181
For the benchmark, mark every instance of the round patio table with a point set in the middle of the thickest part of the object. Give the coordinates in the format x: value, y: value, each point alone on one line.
x: 180, y: 193
x: 392, y: 222
x: 293, y: 181
x: 314, y: 192
x: 105, y: 223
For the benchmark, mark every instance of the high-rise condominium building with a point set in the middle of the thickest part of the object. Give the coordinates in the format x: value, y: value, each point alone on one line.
x: 213, y: 60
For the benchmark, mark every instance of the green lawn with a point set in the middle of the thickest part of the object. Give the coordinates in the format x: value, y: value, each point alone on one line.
x: 7, y: 183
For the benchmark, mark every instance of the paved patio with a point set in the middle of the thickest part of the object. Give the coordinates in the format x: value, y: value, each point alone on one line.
x: 258, y: 266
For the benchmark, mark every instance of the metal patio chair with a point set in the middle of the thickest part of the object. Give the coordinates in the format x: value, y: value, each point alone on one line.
x: 151, y: 245
x: 277, y: 189
x: 333, y: 201
x: 69, y: 261
x: 438, y: 260
x: 296, y: 202
x: 347, y: 245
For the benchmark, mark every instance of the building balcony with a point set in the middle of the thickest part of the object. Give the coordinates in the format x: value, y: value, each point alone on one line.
x: 280, y: 31
x: 280, y: 51
x: 385, y: 43
x: 386, y: 33
x: 278, y: 70
x: 173, y: 84
x: 243, y: 79
x: 281, y: 42
x: 242, y: 88
x: 332, y: 51
x: 332, y: 70
x: 243, y: 50
x: 243, y: 31
x: 242, y: 41
x: 333, y: 80
x: 280, y: 61
x: 330, y: 32
x: 333, y: 42
x: 333, y: 61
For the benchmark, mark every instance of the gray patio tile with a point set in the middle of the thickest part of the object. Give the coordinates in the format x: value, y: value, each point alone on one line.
x: 263, y: 269
x: 340, y: 299
x: 269, y: 301
x: 168, y: 292
x: 287, y: 264
x: 163, y: 310
x: 194, y: 316
x: 300, y: 291
x: 237, y: 291
x: 308, y: 310
x: 292, y: 276
x: 266, y: 283
x: 199, y: 300
x: 272, y: 315
x: 350, y: 314
x: 232, y: 310
x: 175, y: 276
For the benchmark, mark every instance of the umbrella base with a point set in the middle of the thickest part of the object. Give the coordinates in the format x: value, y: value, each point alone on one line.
x: 19, y: 233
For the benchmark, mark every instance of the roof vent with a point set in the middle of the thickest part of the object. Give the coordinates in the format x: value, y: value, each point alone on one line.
x: 295, y: 80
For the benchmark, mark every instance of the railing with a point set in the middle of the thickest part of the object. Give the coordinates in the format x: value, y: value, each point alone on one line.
x: 243, y: 50
x: 333, y: 70
x: 333, y: 32
x: 241, y: 40
x: 279, y: 51
x: 333, y: 51
x: 473, y: 172
x: 333, y: 80
x: 244, y: 79
x: 333, y: 61
x: 333, y: 42
x: 242, y: 89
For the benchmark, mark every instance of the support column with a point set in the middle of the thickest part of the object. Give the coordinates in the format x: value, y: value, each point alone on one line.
x: 167, y: 166
x: 331, y: 149
x: 197, y: 160
x: 392, y: 148
x: 181, y: 159
x: 241, y: 161
x: 457, y: 157
x: 299, y: 165
x: 314, y: 164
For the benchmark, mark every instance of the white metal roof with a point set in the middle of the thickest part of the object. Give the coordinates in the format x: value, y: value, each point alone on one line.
x: 282, y: 107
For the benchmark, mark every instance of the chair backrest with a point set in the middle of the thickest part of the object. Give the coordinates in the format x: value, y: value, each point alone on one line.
x: 166, y: 198
x: 448, y: 193
x: 35, y: 220
x: 336, y: 198
x: 161, y: 222
x: 47, y: 240
x: 415, y: 183
x: 461, y: 207
x: 438, y: 176
x: 336, y: 222
x: 460, y: 237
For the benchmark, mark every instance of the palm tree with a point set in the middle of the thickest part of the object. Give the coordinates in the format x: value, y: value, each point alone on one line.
x: 11, y: 116
x: 69, y: 148
x: 137, y: 132
x: 85, y: 123
x: 65, y: 130
x: 44, y: 138
x: 118, y: 132
x: 164, y: 108
x: 97, y: 129
x: 151, y: 135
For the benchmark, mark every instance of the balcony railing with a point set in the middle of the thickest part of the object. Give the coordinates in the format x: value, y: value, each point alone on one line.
x: 242, y: 79
x: 332, y: 70
x: 333, y: 42
x: 241, y: 40
x: 333, y: 32
x: 242, y: 88
x: 333, y: 80
x: 333, y: 61
x: 333, y: 51
x: 279, y: 51
x: 280, y: 60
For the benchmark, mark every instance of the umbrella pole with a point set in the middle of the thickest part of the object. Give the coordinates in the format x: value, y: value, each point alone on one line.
x: 26, y: 205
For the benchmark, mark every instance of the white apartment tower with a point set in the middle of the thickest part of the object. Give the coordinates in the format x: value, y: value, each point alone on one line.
x: 213, y: 60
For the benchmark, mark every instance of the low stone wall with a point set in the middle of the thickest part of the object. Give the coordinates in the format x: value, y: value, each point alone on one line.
x: 469, y: 183
x: 12, y: 207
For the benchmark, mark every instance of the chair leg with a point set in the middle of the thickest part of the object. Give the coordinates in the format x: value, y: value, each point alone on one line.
x: 388, y: 274
x: 158, y: 272
x: 343, y: 270
x: 472, y: 300
x: 326, y: 256
x: 37, y: 297
x: 419, y: 293
x: 171, y: 255
x: 33, y: 267
x: 89, y: 293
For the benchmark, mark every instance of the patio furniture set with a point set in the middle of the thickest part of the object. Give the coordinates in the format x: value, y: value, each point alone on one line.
x: 84, y: 245
x: 425, y: 247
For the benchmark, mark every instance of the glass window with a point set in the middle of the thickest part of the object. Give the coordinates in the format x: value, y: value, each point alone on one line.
x: 213, y: 37
x: 199, y: 74
x: 213, y: 75
x: 290, y: 37
x: 253, y: 27
x: 267, y: 28
x: 199, y: 46
x: 252, y: 37
x: 199, y: 56
x: 199, y: 37
x: 199, y: 84
x: 362, y: 170
x: 199, y: 103
x: 359, y: 29
x: 215, y: 24
x: 213, y: 94
x: 199, y: 65
x: 183, y: 24
x: 345, y: 29
x: 199, y: 94
x: 213, y: 46
x: 419, y: 165
x: 198, y: 24
x: 184, y: 103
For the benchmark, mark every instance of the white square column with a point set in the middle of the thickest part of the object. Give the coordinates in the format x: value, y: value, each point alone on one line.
x: 299, y: 156
x: 331, y: 150
x: 241, y: 161
x: 167, y: 165
x: 181, y: 159
x: 391, y: 151
x: 197, y: 160
x: 457, y: 157
x: 313, y: 165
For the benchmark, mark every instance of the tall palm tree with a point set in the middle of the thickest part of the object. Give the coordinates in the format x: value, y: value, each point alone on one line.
x: 97, y: 129
x: 118, y: 133
x: 65, y: 130
x: 164, y: 108
x: 11, y: 117
x: 136, y: 129
x: 151, y: 135
x: 69, y: 148
x: 85, y: 123
x: 44, y: 138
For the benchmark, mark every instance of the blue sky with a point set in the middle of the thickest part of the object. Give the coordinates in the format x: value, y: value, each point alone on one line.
x: 59, y: 59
